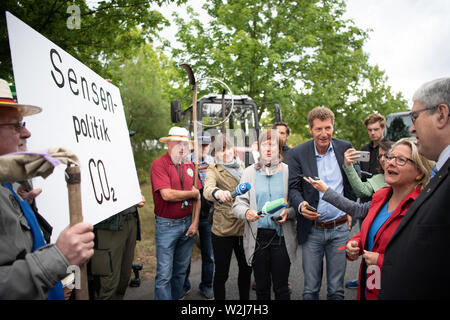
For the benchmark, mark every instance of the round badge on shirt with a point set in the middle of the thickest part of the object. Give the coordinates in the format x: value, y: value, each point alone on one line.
x: 190, y: 172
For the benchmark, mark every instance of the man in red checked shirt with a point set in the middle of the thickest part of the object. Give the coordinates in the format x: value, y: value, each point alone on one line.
x: 174, y: 194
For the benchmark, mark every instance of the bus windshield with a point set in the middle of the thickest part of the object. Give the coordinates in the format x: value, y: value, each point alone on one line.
x: 397, y: 126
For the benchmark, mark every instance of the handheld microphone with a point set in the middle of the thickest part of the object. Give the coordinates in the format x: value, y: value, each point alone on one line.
x: 273, y: 206
x: 240, y: 189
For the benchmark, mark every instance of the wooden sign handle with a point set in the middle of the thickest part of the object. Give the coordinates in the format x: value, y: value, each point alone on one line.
x: 73, y: 179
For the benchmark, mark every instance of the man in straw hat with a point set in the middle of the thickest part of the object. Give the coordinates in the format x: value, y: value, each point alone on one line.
x: 30, y: 268
x: 174, y: 196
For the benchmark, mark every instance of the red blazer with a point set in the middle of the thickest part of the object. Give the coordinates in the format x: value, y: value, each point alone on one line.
x: 383, y: 235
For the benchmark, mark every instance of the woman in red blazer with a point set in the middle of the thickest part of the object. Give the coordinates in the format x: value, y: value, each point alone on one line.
x: 406, y: 173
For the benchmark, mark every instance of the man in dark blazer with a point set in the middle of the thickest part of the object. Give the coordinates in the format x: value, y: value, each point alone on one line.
x: 321, y: 232
x: 417, y: 257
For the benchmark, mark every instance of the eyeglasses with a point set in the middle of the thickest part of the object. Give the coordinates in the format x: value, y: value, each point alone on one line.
x: 399, y: 160
x: 18, y: 125
x: 415, y: 114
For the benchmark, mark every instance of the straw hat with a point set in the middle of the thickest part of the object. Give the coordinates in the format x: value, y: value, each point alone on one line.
x: 176, y: 134
x: 7, y: 101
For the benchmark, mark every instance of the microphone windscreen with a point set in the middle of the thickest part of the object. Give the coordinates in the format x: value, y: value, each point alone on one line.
x: 274, y: 206
x: 239, y: 190
x: 242, y: 188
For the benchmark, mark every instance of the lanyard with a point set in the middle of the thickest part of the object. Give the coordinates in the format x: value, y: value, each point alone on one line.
x: 182, y: 173
x: 184, y: 203
x: 56, y: 292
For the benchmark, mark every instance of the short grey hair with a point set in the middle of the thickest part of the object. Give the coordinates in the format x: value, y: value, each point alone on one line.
x: 433, y: 93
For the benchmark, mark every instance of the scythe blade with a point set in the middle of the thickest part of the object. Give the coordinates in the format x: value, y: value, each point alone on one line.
x: 194, y: 116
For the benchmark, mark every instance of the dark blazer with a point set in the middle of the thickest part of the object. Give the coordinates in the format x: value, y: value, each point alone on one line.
x: 417, y: 258
x: 383, y: 235
x: 302, y: 161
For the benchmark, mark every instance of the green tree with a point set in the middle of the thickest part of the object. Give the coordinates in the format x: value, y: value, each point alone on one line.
x: 300, y: 53
x: 107, y: 29
x: 142, y: 80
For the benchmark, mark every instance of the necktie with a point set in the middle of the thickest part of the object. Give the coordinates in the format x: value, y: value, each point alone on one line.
x: 433, y: 172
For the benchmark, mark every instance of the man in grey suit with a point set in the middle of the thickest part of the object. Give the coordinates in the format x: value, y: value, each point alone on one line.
x: 417, y: 255
x: 321, y: 232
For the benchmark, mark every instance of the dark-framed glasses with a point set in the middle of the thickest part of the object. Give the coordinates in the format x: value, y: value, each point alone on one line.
x: 399, y: 160
x: 17, y: 125
x: 415, y: 114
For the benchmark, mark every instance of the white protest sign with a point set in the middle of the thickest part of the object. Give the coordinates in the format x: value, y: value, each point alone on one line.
x: 81, y: 112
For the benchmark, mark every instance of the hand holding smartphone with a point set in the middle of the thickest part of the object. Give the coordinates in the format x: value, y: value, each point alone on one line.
x: 310, y: 213
x: 364, y: 156
x: 351, y: 155
x: 310, y: 177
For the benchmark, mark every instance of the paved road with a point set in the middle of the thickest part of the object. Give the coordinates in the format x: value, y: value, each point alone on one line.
x: 146, y: 290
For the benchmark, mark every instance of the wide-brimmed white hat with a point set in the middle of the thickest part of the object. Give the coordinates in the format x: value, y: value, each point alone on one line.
x: 7, y: 101
x: 176, y: 134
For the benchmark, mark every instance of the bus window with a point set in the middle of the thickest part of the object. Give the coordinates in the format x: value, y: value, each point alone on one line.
x: 397, y: 126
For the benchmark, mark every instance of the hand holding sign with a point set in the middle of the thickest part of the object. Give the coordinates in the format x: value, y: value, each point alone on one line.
x: 76, y: 243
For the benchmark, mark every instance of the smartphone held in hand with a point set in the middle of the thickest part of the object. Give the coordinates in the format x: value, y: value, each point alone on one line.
x: 310, y: 208
x: 364, y: 156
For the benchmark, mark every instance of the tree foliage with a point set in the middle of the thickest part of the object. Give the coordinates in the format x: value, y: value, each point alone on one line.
x: 300, y: 53
x: 108, y: 31
x: 113, y: 40
x: 143, y: 80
